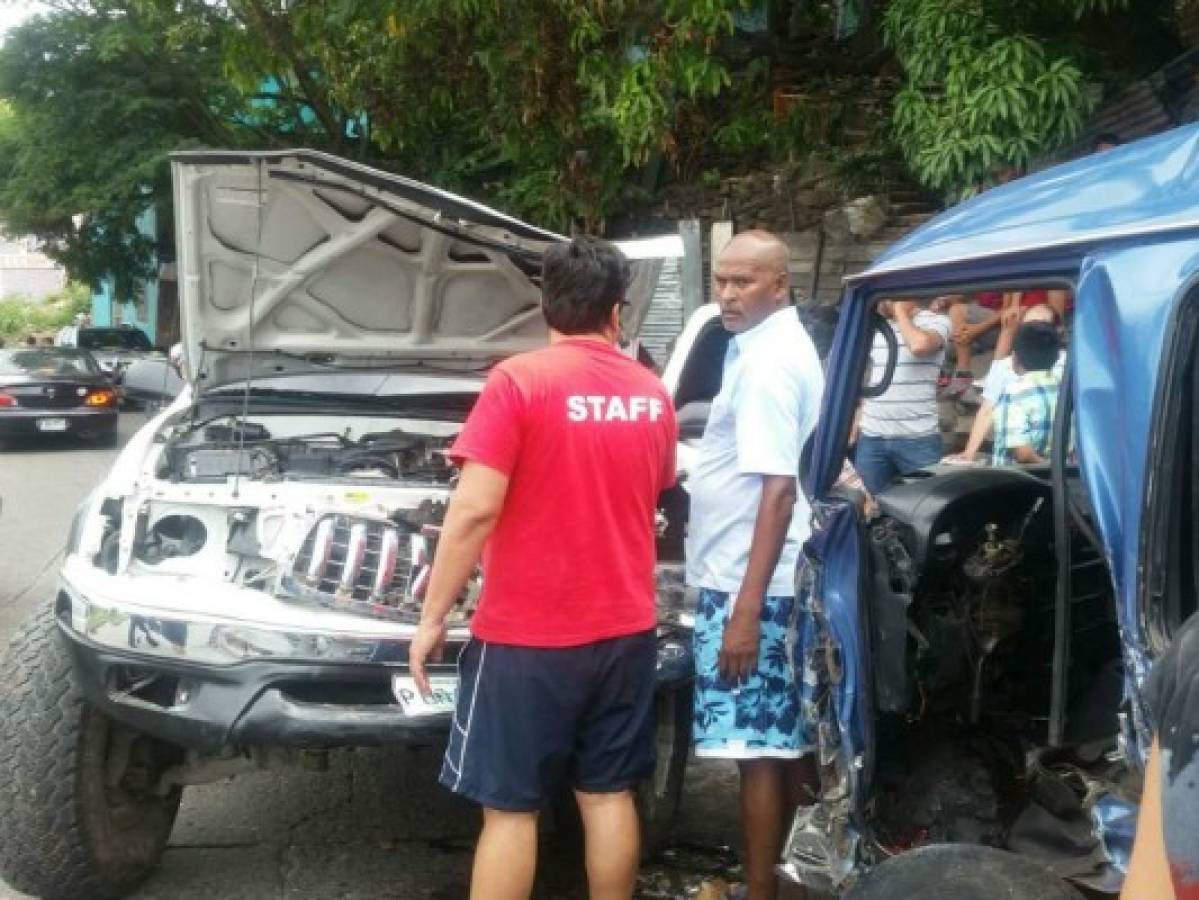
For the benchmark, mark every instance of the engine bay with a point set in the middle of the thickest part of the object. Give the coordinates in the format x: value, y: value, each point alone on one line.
x: 222, y: 450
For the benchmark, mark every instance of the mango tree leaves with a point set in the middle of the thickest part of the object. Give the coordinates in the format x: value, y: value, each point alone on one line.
x: 989, y: 84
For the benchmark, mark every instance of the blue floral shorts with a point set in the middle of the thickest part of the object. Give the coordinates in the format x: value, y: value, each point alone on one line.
x: 761, y: 717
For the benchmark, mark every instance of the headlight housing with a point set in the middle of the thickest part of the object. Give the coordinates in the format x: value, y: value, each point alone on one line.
x: 75, y: 532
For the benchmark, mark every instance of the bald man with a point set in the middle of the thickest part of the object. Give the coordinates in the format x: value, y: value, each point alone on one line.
x: 748, y: 521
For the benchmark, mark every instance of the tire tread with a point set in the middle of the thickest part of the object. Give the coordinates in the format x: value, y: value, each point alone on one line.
x: 44, y: 846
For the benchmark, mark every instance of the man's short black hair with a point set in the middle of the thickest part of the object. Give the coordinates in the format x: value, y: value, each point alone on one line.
x: 581, y: 280
x: 1036, y: 346
x: 1106, y: 138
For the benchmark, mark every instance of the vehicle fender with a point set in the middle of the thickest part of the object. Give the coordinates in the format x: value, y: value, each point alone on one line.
x: 676, y: 662
x: 831, y: 590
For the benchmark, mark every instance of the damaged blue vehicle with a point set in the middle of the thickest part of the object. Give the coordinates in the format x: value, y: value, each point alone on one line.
x: 985, y: 634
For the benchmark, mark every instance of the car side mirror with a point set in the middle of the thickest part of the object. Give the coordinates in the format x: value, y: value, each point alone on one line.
x: 879, y: 325
x: 693, y: 419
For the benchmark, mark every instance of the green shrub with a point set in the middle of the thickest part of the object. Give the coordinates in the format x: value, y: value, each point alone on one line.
x: 20, y: 317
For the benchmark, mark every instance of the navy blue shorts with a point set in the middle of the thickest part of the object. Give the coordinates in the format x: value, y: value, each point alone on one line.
x: 533, y: 719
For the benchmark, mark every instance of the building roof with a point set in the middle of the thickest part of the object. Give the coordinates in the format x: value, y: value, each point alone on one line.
x: 1145, y: 187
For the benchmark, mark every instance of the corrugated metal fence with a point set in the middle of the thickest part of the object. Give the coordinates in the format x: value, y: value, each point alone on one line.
x: 664, y: 320
x: 1168, y: 97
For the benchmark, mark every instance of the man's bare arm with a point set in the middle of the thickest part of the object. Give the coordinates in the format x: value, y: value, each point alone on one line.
x: 979, y: 431
x: 918, y: 340
x: 739, y: 652
x: 1027, y: 455
x: 473, y: 511
x: 1149, y: 870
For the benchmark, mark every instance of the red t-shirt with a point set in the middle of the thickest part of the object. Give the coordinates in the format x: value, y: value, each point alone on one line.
x: 587, y: 439
x: 1036, y: 297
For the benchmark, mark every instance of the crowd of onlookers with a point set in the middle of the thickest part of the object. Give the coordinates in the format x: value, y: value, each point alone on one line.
x: 899, y: 431
x: 941, y: 361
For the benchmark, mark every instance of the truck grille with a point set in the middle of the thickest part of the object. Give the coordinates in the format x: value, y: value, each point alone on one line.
x: 360, y: 565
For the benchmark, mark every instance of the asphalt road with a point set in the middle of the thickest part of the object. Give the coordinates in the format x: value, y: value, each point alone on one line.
x: 375, y: 825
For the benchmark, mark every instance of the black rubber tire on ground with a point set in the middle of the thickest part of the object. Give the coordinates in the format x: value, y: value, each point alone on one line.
x: 961, y: 872
x: 657, y: 797
x: 66, y: 832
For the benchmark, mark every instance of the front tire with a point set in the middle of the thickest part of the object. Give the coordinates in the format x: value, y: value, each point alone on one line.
x: 658, y: 797
x: 961, y: 871
x: 79, y: 819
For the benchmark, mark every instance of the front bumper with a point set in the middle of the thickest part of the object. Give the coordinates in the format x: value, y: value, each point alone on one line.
x: 208, y: 684
x: 256, y: 703
x: 22, y: 422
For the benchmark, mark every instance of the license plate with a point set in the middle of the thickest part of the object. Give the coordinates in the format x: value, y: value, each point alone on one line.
x: 442, y: 699
x: 51, y: 424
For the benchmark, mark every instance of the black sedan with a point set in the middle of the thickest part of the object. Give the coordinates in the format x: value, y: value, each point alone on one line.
x: 56, y: 390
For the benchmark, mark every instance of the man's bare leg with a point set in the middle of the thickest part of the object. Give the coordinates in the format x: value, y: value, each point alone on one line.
x: 801, y: 782
x: 771, y: 789
x: 613, y: 845
x: 763, y: 807
x: 506, y: 857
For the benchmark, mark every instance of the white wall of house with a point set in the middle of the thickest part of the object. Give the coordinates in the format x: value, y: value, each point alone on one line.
x: 27, y: 272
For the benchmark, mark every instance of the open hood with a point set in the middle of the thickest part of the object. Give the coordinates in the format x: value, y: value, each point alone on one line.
x: 297, y: 261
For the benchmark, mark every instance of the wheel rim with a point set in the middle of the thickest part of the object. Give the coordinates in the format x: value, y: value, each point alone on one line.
x: 132, y: 820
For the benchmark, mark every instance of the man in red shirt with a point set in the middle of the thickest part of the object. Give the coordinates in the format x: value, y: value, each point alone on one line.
x: 563, y: 458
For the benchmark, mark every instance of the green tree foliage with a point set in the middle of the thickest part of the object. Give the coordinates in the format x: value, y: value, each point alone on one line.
x: 561, y: 111
x: 548, y: 108
x: 991, y: 84
x: 97, y: 94
x: 543, y: 106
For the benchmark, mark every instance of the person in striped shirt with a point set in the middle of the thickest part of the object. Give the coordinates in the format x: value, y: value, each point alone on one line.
x: 899, y: 431
x: 1025, y: 410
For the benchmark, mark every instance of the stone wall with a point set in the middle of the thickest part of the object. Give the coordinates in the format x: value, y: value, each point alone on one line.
x: 809, y: 203
x: 841, y: 241
x: 784, y: 200
x: 839, y: 255
x: 821, y: 256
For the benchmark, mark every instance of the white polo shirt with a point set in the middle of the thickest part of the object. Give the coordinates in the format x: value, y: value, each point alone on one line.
x: 760, y: 421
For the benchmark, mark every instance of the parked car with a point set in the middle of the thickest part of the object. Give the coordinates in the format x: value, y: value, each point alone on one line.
x: 114, y: 348
x: 241, y: 589
x: 54, y: 391
x: 984, y: 640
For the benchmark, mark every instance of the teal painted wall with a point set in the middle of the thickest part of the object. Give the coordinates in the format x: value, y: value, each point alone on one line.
x: 106, y: 312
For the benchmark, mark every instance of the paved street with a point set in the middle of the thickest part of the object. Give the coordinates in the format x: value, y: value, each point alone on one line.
x: 374, y: 826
